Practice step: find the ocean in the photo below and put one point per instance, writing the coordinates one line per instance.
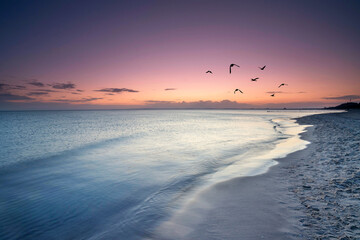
(119, 174)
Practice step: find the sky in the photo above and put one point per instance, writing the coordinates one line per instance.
(155, 54)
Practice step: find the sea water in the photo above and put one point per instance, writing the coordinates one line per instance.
(118, 174)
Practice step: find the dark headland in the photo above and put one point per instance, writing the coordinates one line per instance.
(348, 105)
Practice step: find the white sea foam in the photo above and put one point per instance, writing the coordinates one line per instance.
(256, 161)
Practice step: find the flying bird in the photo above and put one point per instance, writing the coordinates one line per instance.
(262, 68)
(272, 95)
(237, 90)
(254, 79)
(209, 71)
(233, 64)
(283, 84)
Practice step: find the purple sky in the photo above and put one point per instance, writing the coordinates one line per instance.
(116, 54)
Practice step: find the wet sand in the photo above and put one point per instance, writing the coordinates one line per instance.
(311, 194)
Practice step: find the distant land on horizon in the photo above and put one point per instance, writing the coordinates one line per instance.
(348, 105)
(343, 106)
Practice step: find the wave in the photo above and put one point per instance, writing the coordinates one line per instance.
(184, 219)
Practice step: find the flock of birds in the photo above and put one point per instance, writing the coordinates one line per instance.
(252, 79)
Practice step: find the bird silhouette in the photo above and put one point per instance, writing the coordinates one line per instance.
(283, 84)
(254, 79)
(272, 95)
(237, 90)
(209, 71)
(232, 65)
(262, 68)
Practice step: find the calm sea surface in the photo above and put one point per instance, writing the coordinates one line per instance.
(119, 174)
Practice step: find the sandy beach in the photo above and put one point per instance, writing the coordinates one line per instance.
(311, 194)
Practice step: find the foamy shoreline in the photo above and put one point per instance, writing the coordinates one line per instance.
(293, 200)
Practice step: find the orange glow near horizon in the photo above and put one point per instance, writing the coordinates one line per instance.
(195, 85)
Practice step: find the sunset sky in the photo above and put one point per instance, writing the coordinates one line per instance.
(154, 54)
